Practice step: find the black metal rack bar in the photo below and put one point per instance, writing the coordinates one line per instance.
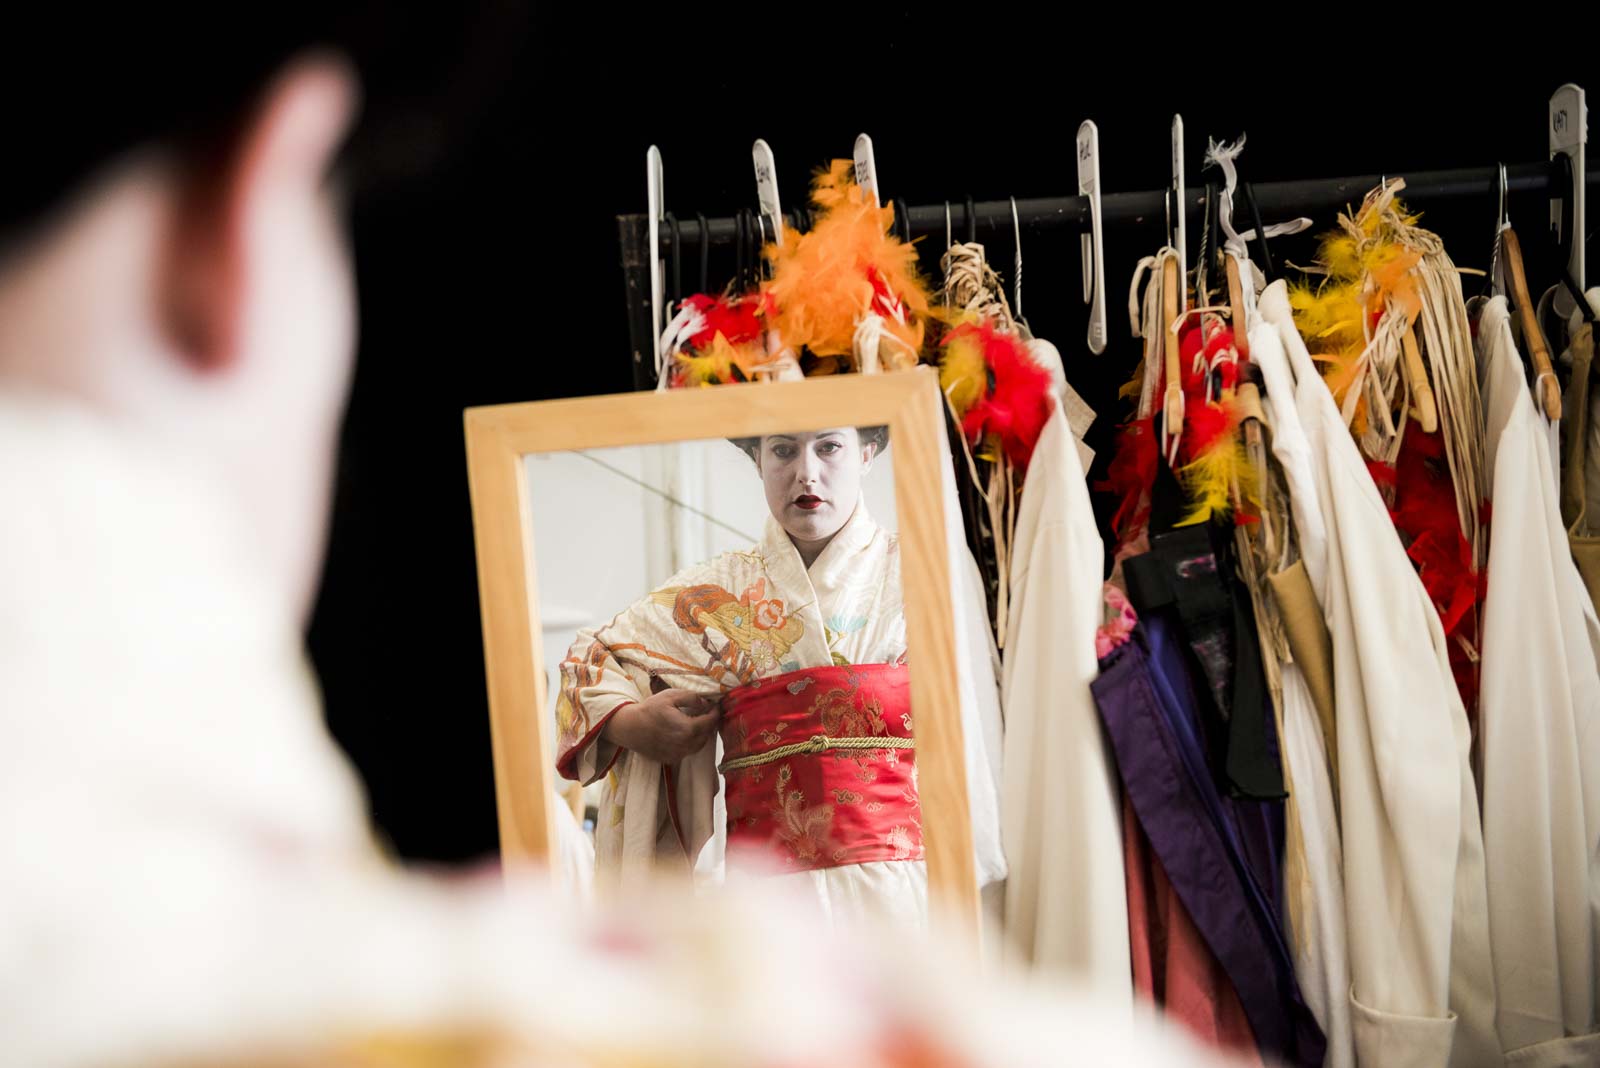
(1276, 200)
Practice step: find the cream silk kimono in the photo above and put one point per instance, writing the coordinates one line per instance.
(735, 620)
(1066, 896)
(1539, 737)
(1314, 887)
(1421, 987)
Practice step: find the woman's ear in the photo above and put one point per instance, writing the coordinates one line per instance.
(869, 452)
(229, 201)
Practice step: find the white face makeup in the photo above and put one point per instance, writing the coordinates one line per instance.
(813, 480)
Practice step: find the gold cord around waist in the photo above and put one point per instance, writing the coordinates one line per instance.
(817, 743)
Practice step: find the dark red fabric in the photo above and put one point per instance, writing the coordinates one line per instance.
(1172, 965)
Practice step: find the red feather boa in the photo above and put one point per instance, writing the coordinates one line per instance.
(1016, 405)
(1423, 510)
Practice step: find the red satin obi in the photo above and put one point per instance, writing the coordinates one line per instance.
(819, 768)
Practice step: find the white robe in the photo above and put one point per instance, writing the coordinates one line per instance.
(186, 875)
(1540, 734)
(1066, 899)
(1321, 964)
(1421, 988)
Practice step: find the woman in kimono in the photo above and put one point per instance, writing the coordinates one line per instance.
(794, 653)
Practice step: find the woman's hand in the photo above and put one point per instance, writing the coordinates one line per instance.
(665, 727)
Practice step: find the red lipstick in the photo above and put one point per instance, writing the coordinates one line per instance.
(808, 501)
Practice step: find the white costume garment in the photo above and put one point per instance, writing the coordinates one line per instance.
(186, 875)
(1066, 899)
(758, 614)
(1421, 986)
(1540, 740)
(1321, 965)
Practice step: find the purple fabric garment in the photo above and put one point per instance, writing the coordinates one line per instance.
(1210, 847)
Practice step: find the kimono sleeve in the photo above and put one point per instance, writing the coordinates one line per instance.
(657, 642)
(594, 684)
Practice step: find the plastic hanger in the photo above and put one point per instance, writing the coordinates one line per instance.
(1568, 137)
(1092, 244)
(1566, 238)
(866, 168)
(1174, 299)
(1230, 251)
(1261, 232)
(1180, 208)
(655, 198)
(767, 188)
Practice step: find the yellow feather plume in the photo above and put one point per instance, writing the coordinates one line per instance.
(1210, 481)
(1330, 317)
(712, 366)
(962, 374)
(1131, 389)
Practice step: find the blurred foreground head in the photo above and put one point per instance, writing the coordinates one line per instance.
(172, 248)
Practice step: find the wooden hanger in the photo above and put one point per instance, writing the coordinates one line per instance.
(1543, 374)
(1172, 408)
(1241, 329)
(1426, 410)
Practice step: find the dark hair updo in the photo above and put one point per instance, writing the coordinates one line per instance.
(870, 435)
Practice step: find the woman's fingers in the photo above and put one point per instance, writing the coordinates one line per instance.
(695, 704)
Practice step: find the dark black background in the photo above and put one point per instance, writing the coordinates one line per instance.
(499, 280)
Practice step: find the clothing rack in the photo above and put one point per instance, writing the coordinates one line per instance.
(1275, 200)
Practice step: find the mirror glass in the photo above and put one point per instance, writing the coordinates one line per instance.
(724, 643)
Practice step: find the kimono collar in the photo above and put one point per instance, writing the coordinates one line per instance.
(856, 534)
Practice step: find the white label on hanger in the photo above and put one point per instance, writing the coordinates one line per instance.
(1180, 208)
(866, 168)
(1569, 134)
(767, 188)
(1091, 244)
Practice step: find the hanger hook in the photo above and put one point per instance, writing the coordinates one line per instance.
(1500, 220)
(677, 260)
(972, 222)
(760, 243)
(1016, 280)
(949, 238)
(740, 240)
(705, 252)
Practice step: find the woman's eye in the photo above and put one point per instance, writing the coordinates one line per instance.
(783, 452)
(828, 447)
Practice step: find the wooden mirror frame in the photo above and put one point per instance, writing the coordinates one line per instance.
(909, 403)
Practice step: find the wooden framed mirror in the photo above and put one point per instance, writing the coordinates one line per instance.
(516, 454)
